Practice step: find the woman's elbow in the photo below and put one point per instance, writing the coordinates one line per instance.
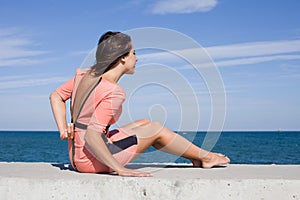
(88, 138)
(54, 96)
(91, 137)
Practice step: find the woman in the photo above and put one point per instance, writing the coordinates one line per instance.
(97, 104)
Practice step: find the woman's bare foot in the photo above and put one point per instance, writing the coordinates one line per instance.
(211, 160)
(214, 159)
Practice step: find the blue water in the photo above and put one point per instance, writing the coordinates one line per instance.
(241, 147)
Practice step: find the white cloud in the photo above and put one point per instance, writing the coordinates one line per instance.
(253, 60)
(8, 31)
(183, 6)
(23, 81)
(20, 62)
(254, 49)
(16, 49)
(234, 54)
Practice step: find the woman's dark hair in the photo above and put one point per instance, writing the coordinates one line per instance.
(112, 46)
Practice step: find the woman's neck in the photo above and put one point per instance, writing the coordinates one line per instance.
(113, 75)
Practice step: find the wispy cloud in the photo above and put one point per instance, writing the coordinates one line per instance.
(254, 49)
(9, 31)
(24, 81)
(253, 60)
(180, 6)
(236, 54)
(17, 49)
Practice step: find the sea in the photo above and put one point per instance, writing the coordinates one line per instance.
(242, 147)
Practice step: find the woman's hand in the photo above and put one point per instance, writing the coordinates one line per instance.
(68, 133)
(98, 148)
(131, 172)
(58, 106)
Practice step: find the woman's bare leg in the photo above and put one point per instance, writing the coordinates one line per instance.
(153, 133)
(136, 124)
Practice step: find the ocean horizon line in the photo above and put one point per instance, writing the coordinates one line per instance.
(180, 131)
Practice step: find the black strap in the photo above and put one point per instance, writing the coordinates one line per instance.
(120, 145)
(80, 125)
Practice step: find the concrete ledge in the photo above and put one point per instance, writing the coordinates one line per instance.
(57, 181)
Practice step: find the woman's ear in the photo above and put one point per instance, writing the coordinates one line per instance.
(123, 59)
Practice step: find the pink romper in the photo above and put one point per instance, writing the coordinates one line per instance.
(102, 108)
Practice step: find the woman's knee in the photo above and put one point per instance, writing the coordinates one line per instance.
(148, 130)
(156, 127)
(144, 121)
(148, 122)
(156, 124)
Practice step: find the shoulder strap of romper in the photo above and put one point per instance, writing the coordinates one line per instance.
(86, 86)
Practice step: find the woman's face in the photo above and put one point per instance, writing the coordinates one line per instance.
(130, 61)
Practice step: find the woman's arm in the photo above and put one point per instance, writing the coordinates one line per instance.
(100, 151)
(59, 111)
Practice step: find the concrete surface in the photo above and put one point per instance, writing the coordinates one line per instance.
(58, 181)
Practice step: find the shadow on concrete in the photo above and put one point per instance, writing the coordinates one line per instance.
(63, 166)
(69, 167)
(162, 165)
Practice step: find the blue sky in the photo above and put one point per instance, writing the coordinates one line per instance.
(254, 44)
